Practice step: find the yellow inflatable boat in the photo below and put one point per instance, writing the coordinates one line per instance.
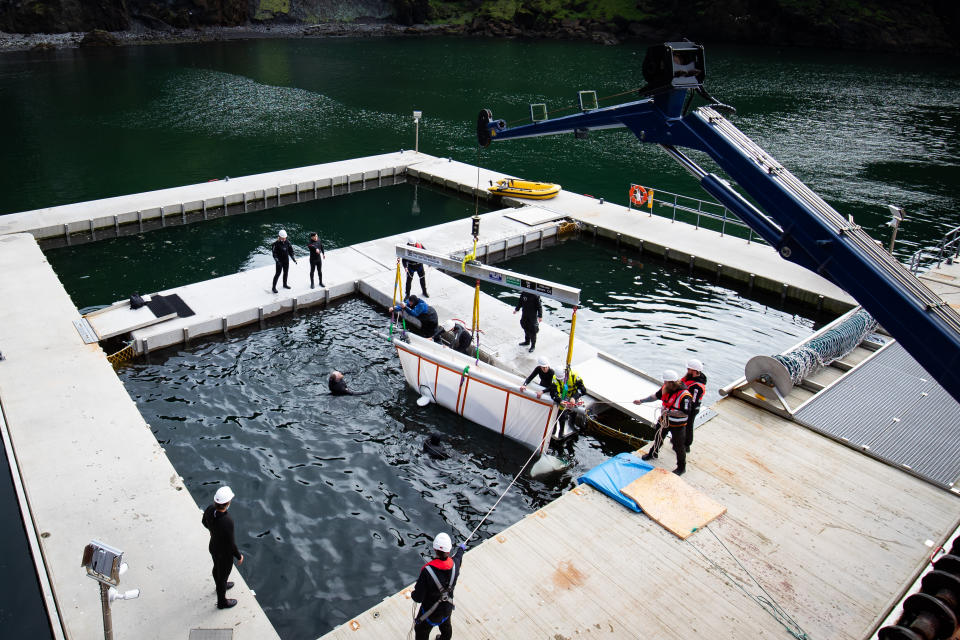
(524, 189)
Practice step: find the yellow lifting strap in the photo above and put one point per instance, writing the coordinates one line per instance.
(396, 285)
(470, 256)
(566, 374)
(476, 308)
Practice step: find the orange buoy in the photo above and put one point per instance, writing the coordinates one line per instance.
(638, 195)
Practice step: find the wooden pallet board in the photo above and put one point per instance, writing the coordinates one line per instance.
(671, 502)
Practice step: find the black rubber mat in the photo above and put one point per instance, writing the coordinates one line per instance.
(165, 305)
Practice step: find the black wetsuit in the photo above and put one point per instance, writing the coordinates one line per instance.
(316, 250)
(223, 548)
(697, 392)
(339, 388)
(531, 311)
(546, 379)
(282, 254)
(411, 268)
(462, 340)
(433, 445)
(427, 594)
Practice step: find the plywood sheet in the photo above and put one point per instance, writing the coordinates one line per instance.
(671, 502)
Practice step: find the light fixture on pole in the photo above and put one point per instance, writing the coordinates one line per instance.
(105, 565)
(416, 121)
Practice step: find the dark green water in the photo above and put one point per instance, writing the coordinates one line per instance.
(335, 501)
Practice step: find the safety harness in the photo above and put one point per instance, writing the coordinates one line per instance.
(446, 594)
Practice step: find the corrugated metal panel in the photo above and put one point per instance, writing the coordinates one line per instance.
(892, 408)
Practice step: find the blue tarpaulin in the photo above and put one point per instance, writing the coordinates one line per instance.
(615, 474)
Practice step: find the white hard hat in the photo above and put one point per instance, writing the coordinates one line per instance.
(223, 495)
(543, 362)
(669, 375)
(442, 543)
(448, 325)
(411, 240)
(694, 364)
(283, 233)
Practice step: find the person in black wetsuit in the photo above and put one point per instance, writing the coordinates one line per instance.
(434, 589)
(316, 250)
(338, 386)
(544, 374)
(433, 446)
(282, 255)
(696, 381)
(462, 339)
(223, 547)
(529, 318)
(412, 268)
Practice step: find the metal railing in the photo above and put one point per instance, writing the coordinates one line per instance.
(932, 257)
(696, 207)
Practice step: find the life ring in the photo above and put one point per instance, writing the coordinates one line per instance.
(638, 195)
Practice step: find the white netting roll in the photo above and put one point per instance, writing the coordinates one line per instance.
(830, 346)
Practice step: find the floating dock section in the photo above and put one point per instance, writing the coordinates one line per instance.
(90, 468)
(755, 264)
(834, 537)
(111, 217)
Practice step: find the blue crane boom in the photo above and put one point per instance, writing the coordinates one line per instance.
(794, 220)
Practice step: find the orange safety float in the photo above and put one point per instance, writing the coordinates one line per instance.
(638, 195)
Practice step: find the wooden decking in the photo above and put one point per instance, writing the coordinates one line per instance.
(832, 535)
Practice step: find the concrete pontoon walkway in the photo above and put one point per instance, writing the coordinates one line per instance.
(256, 191)
(91, 468)
(727, 256)
(832, 535)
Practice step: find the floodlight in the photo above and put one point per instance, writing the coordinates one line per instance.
(417, 115)
(103, 562)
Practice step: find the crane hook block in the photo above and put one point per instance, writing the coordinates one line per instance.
(487, 127)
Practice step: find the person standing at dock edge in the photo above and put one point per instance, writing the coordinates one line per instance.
(696, 382)
(316, 250)
(223, 547)
(282, 255)
(677, 405)
(529, 318)
(412, 267)
(434, 589)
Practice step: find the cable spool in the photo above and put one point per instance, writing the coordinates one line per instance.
(784, 371)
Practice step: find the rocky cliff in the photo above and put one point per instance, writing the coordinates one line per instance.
(914, 25)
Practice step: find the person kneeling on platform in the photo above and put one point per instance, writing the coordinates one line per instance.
(434, 589)
(676, 409)
(426, 314)
(462, 338)
(568, 406)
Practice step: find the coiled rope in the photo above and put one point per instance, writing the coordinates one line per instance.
(830, 346)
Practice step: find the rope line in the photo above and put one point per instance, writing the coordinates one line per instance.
(766, 601)
(516, 477)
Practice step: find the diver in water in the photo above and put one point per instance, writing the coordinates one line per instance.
(338, 386)
(433, 446)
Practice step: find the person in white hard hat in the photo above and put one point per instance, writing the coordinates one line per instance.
(677, 405)
(412, 267)
(544, 374)
(282, 255)
(434, 589)
(696, 382)
(223, 547)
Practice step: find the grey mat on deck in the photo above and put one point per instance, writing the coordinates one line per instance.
(165, 305)
(893, 409)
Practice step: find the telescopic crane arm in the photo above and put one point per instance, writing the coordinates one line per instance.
(793, 219)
